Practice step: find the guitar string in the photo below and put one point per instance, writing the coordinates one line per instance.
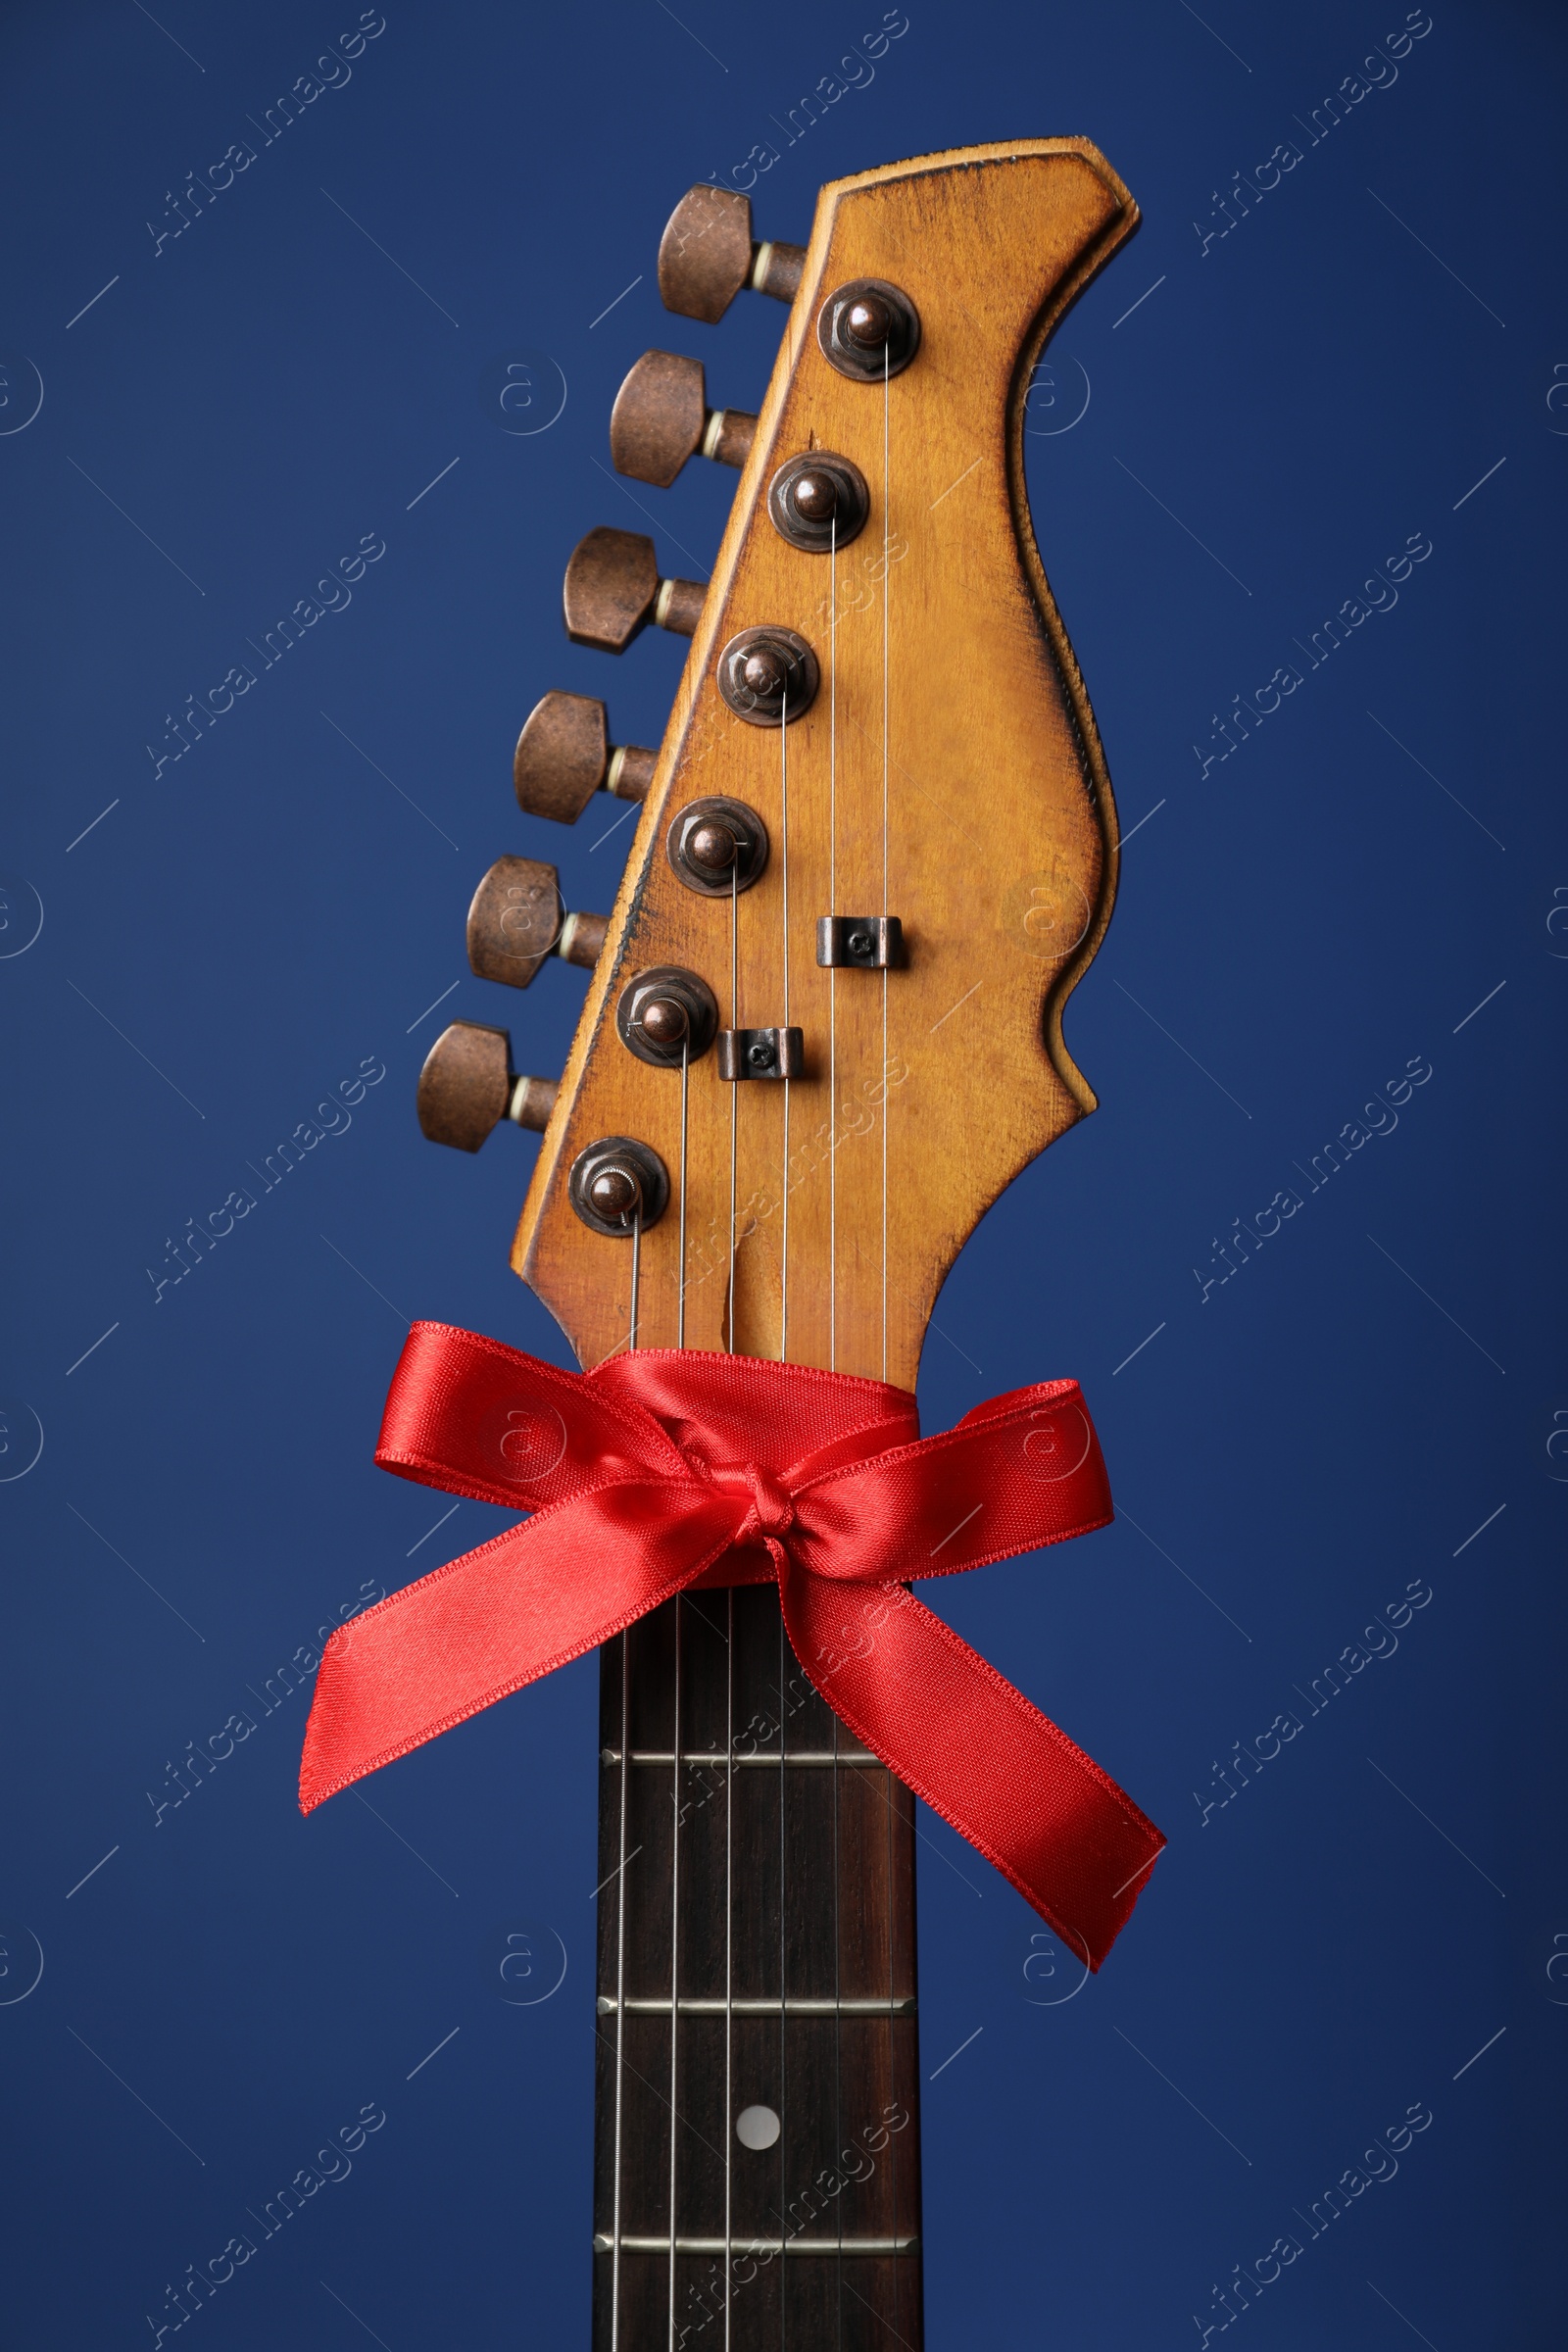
(680, 1341)
(832, 976)
(893, 2066)
(729, 1772)
(674, 1973)
(621, 1986)
(636, 1270)
(783, 1349)
(784, 1186)
(734, 1092)
(886, 537)
(783, 2021)
(783, 2018)
(838, 2037)
(680, 1278)
(730, 1950)
(832, 1304)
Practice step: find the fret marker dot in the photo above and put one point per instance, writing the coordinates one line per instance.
(757, 2126)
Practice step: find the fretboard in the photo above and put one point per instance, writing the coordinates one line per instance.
(756, 2144)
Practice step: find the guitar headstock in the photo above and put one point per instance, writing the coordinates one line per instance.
(877, 846)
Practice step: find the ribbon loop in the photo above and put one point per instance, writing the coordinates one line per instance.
(666, 1469)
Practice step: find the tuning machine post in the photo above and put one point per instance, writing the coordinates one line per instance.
(869, 329)
(716, 846)
(667, 1016)
(619, 1186)
(818, 501)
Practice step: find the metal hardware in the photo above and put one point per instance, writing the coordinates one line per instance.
(770, 1756)
(818, 501)
(761, 1054)
(666, 1015)
(468, 1086)
(661, 417)
(618, 1187)
(869, 329)
(613, 591)
(758, 2245)
(768, 675)
(718, 846)
(517, 922)
(564, 755)
(707, 255)
(868, 942)
(715, 2005)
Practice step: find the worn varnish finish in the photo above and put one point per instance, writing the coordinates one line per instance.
(1001, 832)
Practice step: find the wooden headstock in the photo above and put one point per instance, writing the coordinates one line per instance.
(947, 772)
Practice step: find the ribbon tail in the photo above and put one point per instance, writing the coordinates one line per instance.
(479, 1629)
(999, 1772)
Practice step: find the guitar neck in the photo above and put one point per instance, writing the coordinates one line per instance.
(756, 2144)
(880, 792)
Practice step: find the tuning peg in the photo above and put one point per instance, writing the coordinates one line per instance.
(468, 1085)
(613, 591)
(707, 254)
(564, 755)
(661, 417)
(516, 921)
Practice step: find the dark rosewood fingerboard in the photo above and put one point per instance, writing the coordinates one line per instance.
(757, 1865)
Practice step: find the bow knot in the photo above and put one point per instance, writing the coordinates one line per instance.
(772, 1510)
(664, 1470)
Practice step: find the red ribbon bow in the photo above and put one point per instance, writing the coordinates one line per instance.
(666, 1470)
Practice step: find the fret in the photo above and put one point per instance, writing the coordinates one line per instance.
(794, 2006)
(795, 1992)
(860, 1756)
(859, 2247)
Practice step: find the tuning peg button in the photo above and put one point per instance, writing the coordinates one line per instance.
(613, 590)
(468, 1085)
(661, 417)
(707, 254)
(516, 921)
(564, 755)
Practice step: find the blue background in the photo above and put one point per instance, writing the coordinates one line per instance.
(243, 928)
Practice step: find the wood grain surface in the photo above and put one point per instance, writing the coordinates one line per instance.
(950, 773)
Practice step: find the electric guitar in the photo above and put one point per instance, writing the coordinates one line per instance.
(876, 850)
